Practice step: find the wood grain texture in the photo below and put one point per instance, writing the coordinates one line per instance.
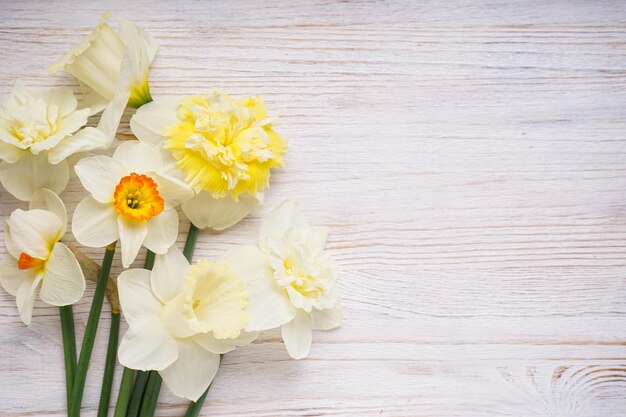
(470, 159)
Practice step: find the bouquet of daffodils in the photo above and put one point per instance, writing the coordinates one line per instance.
(208, 156)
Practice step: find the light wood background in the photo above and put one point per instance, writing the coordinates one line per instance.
(470, 159)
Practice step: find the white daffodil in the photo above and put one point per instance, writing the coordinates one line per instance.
(290, 279)
(131, 200)
(223, 147)
(39, 130)
(113, 69)
(180, 319)
(38, 261)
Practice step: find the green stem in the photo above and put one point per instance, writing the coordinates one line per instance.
(151, 396)
(124, 395)
(150, 258)
(137, 395)
(190, 242)
(140, 381)
(69, 347)
(109, 365)
(194, 407)
(90, 333)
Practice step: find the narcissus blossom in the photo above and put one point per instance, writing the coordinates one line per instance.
(37, 261)
(39, 130)
(131, 200)
(181, 318)
(223, 147)
(290, 278)
(113, 69)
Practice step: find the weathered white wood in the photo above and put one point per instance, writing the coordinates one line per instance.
(470, 159)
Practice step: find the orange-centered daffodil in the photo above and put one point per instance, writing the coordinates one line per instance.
(37, 262)
(132, 199)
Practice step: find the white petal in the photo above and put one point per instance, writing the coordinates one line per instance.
(91, 99)
(142, 45)
(85, 140)
(317, 236)
(173, 191)
(45, 199)
(193, 371)
(11, 277)
(10, 153)
(94, 224)
(169, 273)
(132, 234)
(25, 297)
(138, 157)
(100, 175)
(326, 319)
(279, 221)
(31, 173)
(151, 119)
(268, 305)
(297, 335)
(112, 114)
(62, 97)
(219, 214)
(220, 346)
(70, 125)
(136, 297)
(34, 232)
(148, 346)
(162, 231)
(12, 248)
(63, 280)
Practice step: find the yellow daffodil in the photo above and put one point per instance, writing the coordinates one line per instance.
(223, 147)
(39, 130)
(290, 279)
(37, 261)
(113, 69)
(131, 200)
(181, 318)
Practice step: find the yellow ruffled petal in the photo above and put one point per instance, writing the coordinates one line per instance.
(224, 146)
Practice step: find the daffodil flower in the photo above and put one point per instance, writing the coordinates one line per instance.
(38, 262)
(290, 279)
(131, 200)
(113, 69)
(39, 130)
(223, 147)
(181, 318)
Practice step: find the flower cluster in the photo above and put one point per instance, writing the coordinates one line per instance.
(209, 156)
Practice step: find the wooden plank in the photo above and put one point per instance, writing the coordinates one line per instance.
(469, 158)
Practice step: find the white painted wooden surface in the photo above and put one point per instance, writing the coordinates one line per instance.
(470, 158)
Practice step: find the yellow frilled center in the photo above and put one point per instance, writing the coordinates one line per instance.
(225, 146)
(137, 197)
(312, 283)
